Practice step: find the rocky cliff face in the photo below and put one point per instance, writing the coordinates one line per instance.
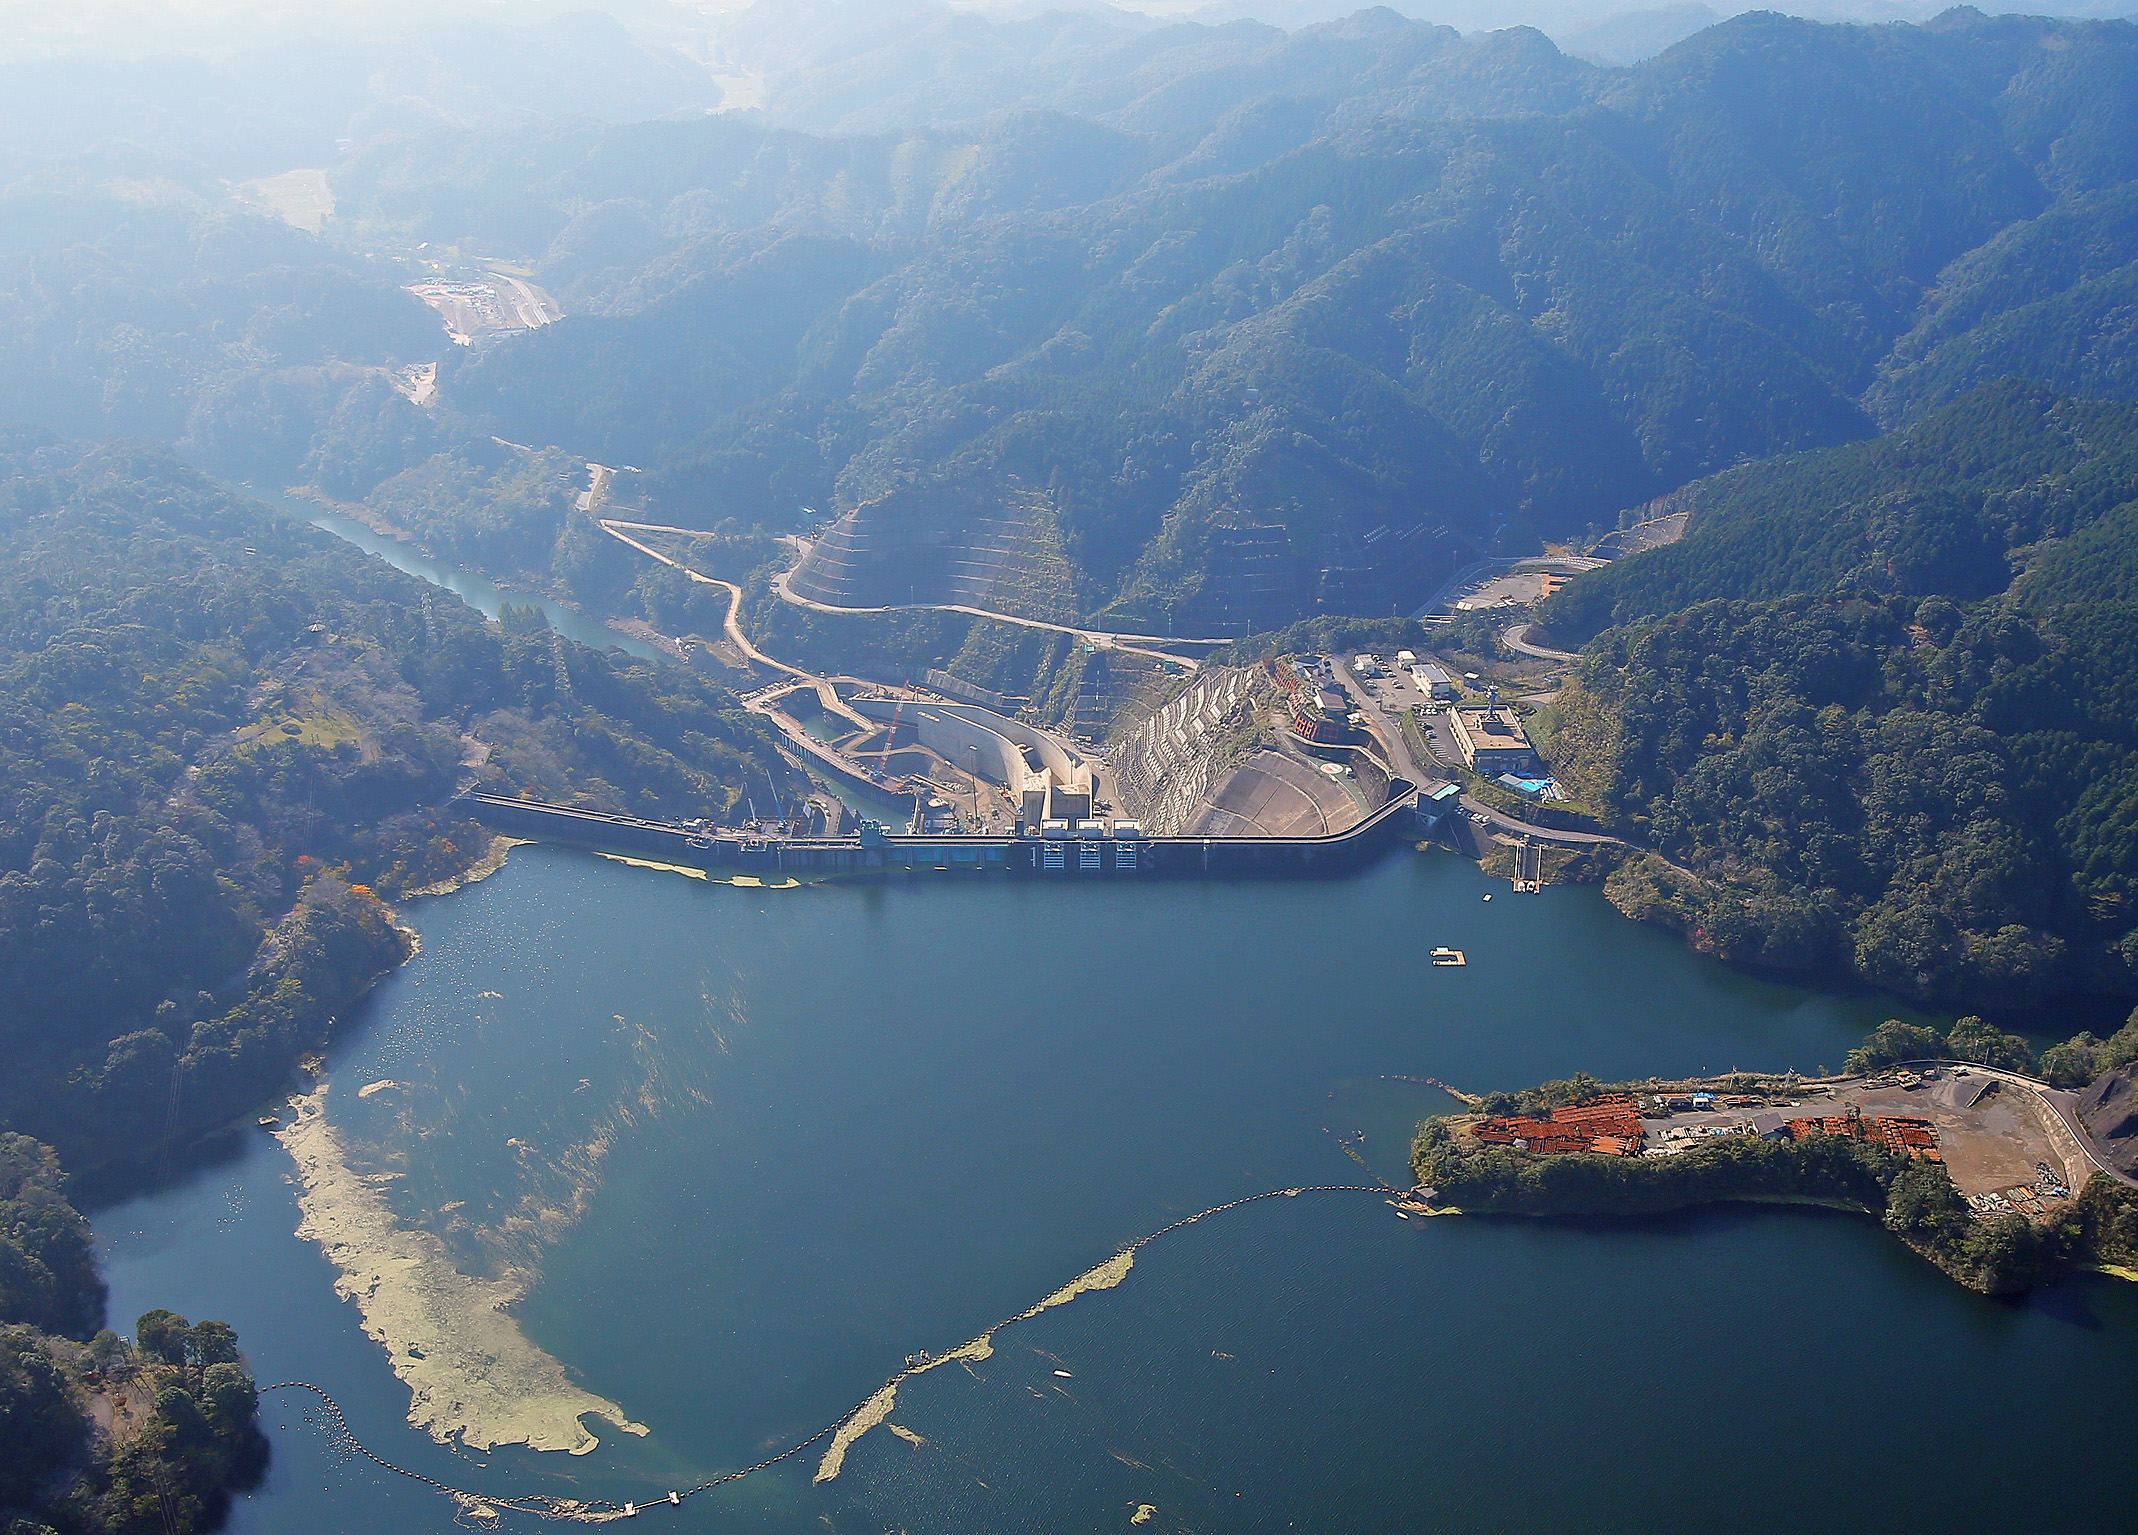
(2109, 1111)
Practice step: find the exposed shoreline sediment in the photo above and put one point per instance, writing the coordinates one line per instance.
(472, 1373)
(483, 867)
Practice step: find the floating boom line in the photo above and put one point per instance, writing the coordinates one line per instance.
(487, 1509)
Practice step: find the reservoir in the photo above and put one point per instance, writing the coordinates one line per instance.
(741, 1151)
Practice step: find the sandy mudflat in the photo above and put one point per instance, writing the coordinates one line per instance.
(471, 1371)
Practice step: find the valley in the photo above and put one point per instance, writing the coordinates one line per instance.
(728, 727)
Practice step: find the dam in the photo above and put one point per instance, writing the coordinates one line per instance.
(1089, 849)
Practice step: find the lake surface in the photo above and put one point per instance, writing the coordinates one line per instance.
(755, 1146)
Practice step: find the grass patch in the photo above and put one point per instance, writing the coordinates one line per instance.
(314, 723)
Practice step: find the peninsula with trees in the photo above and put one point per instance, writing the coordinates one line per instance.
(1998, 1177)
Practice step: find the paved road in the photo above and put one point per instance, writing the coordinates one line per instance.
(1390, 739)
(1104, 639)
(1387, 731)
(533, 307)
(1540, 833)
(765, 700)
(1516, 639)
(733, 623)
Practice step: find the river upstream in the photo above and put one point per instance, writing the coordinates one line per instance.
(740, 1151)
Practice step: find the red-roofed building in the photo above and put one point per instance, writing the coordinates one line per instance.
(1609, 1125)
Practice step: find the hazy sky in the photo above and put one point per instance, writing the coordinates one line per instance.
(235, 32)
(136, 26)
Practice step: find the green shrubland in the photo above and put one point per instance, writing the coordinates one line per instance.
(184, 897)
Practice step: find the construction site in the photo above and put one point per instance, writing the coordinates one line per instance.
(1206, 783)
(2006, 1140)
(1210, 761)
(483, 307)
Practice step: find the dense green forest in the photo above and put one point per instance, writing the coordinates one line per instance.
(137, 298)
(101, 1435)
(1875, 706)
(1273, 325)
(226, 736)
(1940, 508)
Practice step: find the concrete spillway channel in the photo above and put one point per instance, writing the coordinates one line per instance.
(878, 852)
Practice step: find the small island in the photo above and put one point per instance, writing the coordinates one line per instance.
(1993, 1175)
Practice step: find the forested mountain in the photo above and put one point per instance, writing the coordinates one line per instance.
(136, 299)
(222, 732)
(1373, 344)
(1940, 508)
(1879, 703)
(833, 67)
(1243, 324)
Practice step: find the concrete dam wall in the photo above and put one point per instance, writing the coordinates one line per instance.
(877, 853)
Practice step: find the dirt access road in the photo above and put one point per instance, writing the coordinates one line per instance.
(1102, 639)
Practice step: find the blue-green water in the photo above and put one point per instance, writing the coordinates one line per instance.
(478, 592)
(796, 1135)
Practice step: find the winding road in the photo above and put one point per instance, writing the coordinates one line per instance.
(761, 701)
(1103, 639)
(1514, 637)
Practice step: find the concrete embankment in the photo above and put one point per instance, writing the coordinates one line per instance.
(877, 852)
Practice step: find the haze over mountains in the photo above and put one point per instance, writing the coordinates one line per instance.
(1248, 324)
(1217, 328)
(1249, 320)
